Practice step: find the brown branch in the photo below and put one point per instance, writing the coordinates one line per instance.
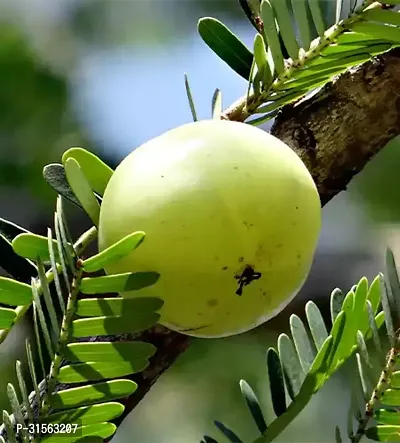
(335, 133)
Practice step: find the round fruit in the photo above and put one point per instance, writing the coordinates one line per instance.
(232, 219)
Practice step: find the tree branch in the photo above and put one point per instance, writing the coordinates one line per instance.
(335, 132)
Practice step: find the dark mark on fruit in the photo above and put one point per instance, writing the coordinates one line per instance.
(212, 302)
(225, 268)
(247, 276)
(194, 329)
(241, 259)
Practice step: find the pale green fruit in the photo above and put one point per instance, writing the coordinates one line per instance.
(218, 201)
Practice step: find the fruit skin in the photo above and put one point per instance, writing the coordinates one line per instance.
(213, 198)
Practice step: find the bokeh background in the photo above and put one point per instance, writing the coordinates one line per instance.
(107, 75)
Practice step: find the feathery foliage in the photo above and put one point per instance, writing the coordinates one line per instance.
(284, 65)
(77, 333)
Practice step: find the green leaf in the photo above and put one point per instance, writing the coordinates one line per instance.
(316, 12)
(32, 370)
(33, 246)
(55, 270)
(131, 281)
(23, 390)
(14, 293)
(317, 374)
(373, 328)
(384, 433)
(374, 295)
(300, 11)
(48, 299)
(110, 325)
(284, 20)
(382, 32)
(190, 99)
(82, 189)
(89, 394)
(81, 372)
(276, 382)
(93, 307)
(226, 45)
(271, 34)
(7, 317)
(351, 38)
(348, 338)
(387, 417)
(336, 303)
(393, 280)
(54, 174)
(253, 405)
(19, 268)
(88, 414)
(316, 323)
(391, 397)
(229, 434)
(387, 311)
(261, 60)
(16, 408)
(216, 105)
(114, 253)
(292, 370)
(9, 427)
(302, 342)
(105, 351)
(97, 173)
(380, 15)
(102, 430)
(42, 319)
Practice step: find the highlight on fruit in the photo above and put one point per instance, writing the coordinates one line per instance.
(232, 218)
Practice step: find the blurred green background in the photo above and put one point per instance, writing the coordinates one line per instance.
(108, 75)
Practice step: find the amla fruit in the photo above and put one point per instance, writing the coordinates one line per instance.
(232, 218)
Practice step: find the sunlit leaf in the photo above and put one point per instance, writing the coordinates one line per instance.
(110, 325)
(82, 189)
(111, 352)
(93, 307)
(114, 253)
(14, 293)
(302, 342)
(271, 34)
(7, 317)
(90, 394)
(81, 372)
(97, 173)
(130, 281)
(384, 433)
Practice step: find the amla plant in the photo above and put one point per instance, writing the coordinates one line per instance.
(232, 219)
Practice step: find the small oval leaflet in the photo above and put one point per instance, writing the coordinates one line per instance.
(130, 281)
(84, 372)
(14, 293)
(97, 173)
(93, 307)
(34, 246)
(110, 390)
(88, 414)
(82, 189)
(114, 253)
(108, 351)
